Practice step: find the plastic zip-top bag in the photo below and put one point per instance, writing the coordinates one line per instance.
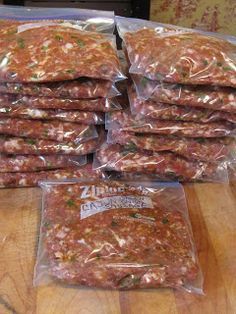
(31, 179)
(124, 120)
(92, 20)
(178, 55)
(162, 165)
(28, 53)
(116, 235)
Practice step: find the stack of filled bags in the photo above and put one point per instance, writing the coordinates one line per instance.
(56, 83)
(182, 115)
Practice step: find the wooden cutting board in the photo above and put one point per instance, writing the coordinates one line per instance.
(212, 210)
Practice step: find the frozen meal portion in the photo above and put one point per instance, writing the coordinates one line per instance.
(116, 235)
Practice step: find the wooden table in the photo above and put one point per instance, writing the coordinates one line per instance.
(212, 210)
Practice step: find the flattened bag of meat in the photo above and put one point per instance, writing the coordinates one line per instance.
(23, 112)
(210, 97)
(30, 179)
(32, 163)
(32, 102)
(82, 88)
(210, 150)
(51, 130)
(123, 120)
(26, 146)
(164, 165)
(116, 235)
(29, 55)
(164, 111)
(178, 55)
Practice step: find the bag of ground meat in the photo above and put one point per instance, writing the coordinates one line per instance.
(116, 235)
(204, 149)
(99, 21)
(31, 179)
(165, 111)
(49, 130)
(33, 163)
(211, 97)
(178, 55)
(82, 88)
(29, 54)
(24, 112)
(123, 120)
(30, 146)
(35, 102)
(162, 165)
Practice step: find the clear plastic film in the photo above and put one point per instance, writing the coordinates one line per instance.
(83, 117)
(35, 102)
(209, 150)
(32, 163)
(91, 20)
(164, 111)
(49, 130)
(162, 165)
(30, 179)
(93, 246)
(28, 54)
(123, 120)
(178, 55)
(210, 97)
(83, 88)
(26, 146)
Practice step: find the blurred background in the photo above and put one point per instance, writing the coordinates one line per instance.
(212, 15)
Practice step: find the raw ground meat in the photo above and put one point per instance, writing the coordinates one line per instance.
(52, 130)
(165, 111)
(210, 150)
(166, 164)
(29, 55)
(129, 244)
(211, 97)
(31, 163)
(32, 102)
(24, 146)
(23, 112)
(75, 89)
(26, 179)
(124, 121)
(182, 57)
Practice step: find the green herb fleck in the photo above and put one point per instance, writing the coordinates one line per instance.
(44, 48)
(219, 64)
(134, 215)
(205, 62)
(47, 224)
(114, 223)
(45, 132)
(59, 37)
(12, 31)
(98, 255)
(165, 221)
(35, 76)
(31, 141)
(144, 81)
(128, 281)
(200, 140)
(129, 148)
(70, 203)
(70, 71)
(80, 43)
(21, 43)
(227, 68)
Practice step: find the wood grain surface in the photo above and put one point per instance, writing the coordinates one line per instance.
(212, 209)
